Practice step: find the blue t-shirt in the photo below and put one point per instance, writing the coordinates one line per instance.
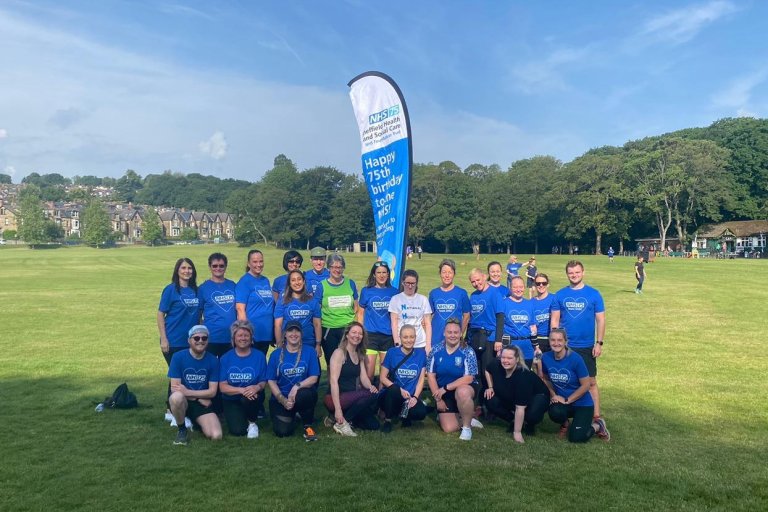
(565, 374)
(241, 372)
(502, 290)
(485, 305)
(217, 303)
(195, 374)
(182, 312)
(541, 312)
(279, 284)
(577, 314)
(256, 294)
(375, 301)
(302, 312)
(513, 268)
(518, 319)
(407, 376)
(313, 279)
(291, 372)
(453, 303)
(449, 367)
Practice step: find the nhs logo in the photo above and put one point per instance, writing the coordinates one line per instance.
(384, 114)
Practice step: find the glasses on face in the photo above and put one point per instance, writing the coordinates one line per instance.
(200, 338)
(294, 261)
(218, 265)
(336, 267)
(409, 283)
(541, 283)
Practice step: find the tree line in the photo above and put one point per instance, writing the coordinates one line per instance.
(663, 186)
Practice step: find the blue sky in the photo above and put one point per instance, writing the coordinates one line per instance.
(98, 87)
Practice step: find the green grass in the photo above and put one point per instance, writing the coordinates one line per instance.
(683, 382)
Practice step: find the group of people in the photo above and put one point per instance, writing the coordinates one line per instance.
(492, 352)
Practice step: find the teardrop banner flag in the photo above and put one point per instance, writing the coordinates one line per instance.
(382, 118)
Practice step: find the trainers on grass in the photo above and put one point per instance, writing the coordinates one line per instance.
(344, 429)
(173, 422)
(466, 434)
(253, 431)
(475, 423)
(168, 416)
(602, 430)
(182, 437)
(309, 434)
(188, 423)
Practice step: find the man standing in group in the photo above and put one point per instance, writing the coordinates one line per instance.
(580, 310)
(318, 273)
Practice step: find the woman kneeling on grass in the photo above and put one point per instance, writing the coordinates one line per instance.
(242, 378)
(515, 394)
(452, 377)
(567, 378)
(293, 371)
(351, 396)
(402, 378)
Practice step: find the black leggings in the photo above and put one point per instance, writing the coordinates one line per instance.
(238, 413)
(282, 419)
(580, 430)
(391, 402)
(330, 342)
(534, 412)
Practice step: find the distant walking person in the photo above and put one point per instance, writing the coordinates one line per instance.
(639, 274)
(610, 254)
(530, 275)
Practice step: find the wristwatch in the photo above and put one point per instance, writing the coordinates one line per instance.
(599, 342)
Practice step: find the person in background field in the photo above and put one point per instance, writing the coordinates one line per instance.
(639, 274)
(494, 278)
(254, 302)
(409, 252)
(448, 301)
(610, 254)
(519, 325)
(293, 373)
(513, 268)
(580, 310)
(419, 251)
(515, 394)
(402, 380)
(217, 303)
(486, 318)
(373, 313)
(411, 308)
(567, 379)
(178, 312)
(242, 378)
(337, 296)
(452, 378)
(292, 260)
(194, 375)
(530, 276)
(542, 308)
(352, 399)
(318, 273)
(296, 304)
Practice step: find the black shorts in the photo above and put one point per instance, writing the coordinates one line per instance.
(450, 399)
(589, 360)
(380, 342)
(195, 409)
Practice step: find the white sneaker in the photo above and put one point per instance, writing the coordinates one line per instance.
(344, 429)
(173, 422)
(168, 416)
(475, 423)
(466, 434)
(188, 423)
(253, 431)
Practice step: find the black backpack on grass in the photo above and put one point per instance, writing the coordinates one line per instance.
(122, 398)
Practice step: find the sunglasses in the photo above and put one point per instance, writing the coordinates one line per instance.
(380, 264)
(294, 261)
(218, 266)
(542, 283)
(200, 338)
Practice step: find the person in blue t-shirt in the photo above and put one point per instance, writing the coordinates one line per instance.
(513, 268)
(296, 304)
(292, 260)
(611, 253)
(373, 313)
(567, 379)
(242, 378)
(580, 310)
(293, 373)
(494, 278)
(402, 380)
(318, 273)
(542, 308)
(452, 377)
(519, 323)
(254, 301)
(448, 301)
(194, 375)
(217, 304)
(178, 312)
(486, 318)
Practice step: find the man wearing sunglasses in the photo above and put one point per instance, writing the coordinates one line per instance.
(194, 375)
(217, 303)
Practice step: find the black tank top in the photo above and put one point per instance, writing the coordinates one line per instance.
(349, 375)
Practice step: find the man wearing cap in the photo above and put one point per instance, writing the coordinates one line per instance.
(194, 375)
(318, 273)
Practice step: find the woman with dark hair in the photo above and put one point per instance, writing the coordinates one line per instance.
(293, 372)
(352, 399)
(254, 301)
(242, 378)
(402, 380)
(565, 375)
(411, 308)
(297, 305)
(178, 312)
(515, 394)
(494, 278)
(337, 296)
(373, 313)
(448, 301)
(292, 260)
(542, 307)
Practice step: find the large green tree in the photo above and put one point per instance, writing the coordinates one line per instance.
(96, 226)
(152, 228)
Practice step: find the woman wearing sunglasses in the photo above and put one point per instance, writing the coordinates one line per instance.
(542, 306)
(292, 260)
(373, 313)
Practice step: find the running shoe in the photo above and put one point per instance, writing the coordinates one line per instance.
(602, 431)
(466, 434)
(182, 437)
(309, 434)
(253, 431)
(563, 430)
(344, 429)
(168, 416)
(188, 423)
(329, 422)
(475, 423)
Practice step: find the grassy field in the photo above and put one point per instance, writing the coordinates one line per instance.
(683, 382)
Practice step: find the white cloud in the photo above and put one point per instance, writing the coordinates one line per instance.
(684, 24)
(215, 146)
(9, 170)
(738, 94)
(546, 74)
(3, 133)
